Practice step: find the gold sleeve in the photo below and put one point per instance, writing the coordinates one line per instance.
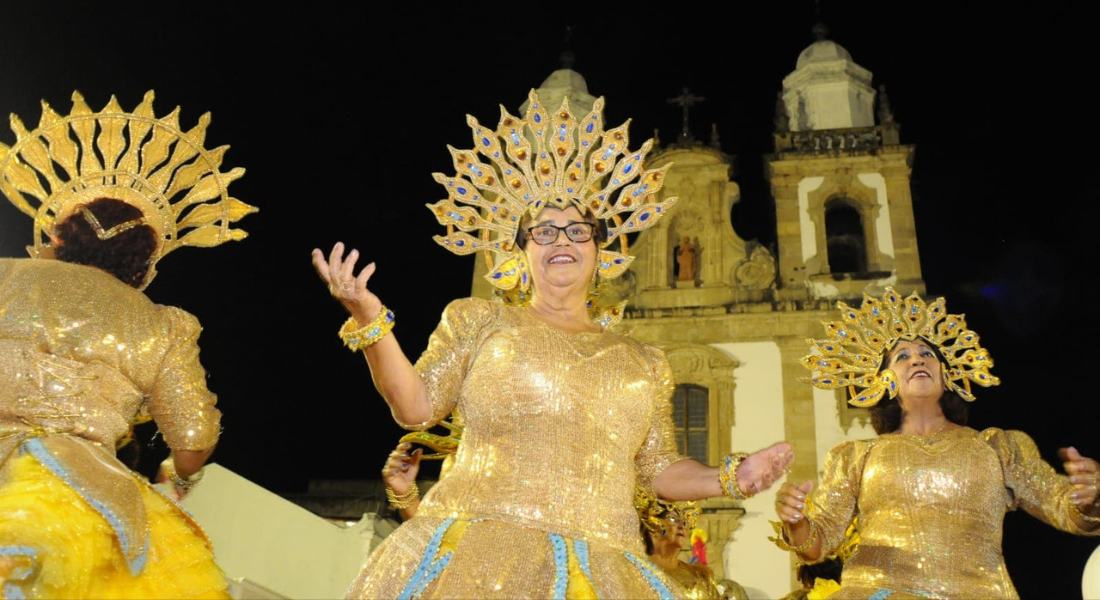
(659, 449)
(1036, 487)
(179, 402)
(446, 360)
(832, 504)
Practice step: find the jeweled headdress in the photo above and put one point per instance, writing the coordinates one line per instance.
(136, 157)
(853, 355)
(653, 510)
(546, 159)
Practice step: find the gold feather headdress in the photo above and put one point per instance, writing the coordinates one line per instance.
(546, 159)
(653, 510)
(857, 346)
(136, 157)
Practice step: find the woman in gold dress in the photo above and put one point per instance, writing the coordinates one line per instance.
(665, 526)
(85, 355)
(560, 413)
(931, 493)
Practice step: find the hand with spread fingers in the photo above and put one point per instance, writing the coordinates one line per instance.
(338, 273)
(1084, 474)
(760, 470)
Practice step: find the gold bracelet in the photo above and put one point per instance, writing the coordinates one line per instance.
(404, 500)
(727, 476)
(1086, 517)
(358, 338)
(804, 546)
(169, 467)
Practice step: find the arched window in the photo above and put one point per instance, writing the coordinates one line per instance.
(689, 412)
(844, 238)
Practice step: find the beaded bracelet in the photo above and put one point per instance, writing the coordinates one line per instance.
(169, 467)
(727, 476)
(358, 338)
(404, 500)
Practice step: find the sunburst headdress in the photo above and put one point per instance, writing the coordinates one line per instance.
(653, 510)
(136, 157)
(546, 159)
(853, 355)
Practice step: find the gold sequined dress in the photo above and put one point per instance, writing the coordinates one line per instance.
(696, 579)
(83, 357)
(539, 500)
(931, 510)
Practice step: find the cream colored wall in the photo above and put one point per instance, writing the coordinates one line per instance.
(751, 560)
(828, 428)
(263, 538)
(883, 231)
(809, 231)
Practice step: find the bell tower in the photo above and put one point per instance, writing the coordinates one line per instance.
(841, 183)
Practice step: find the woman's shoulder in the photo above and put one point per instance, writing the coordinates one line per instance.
(852, 452)
(1014, 439)
(473, 308)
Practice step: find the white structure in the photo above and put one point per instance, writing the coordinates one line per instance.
(270, 547)
(1090, 582)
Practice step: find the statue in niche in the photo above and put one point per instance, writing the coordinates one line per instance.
(686, 254)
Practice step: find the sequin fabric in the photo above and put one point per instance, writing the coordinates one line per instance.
(697, 581)
(556, 426)
(82, 358)
(931, 510)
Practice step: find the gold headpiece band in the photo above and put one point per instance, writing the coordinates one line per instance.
(545, 160)
(106, 234)
(135, 157)
(854, 353)
(653, 510)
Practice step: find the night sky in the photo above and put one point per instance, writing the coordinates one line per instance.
(340, 116)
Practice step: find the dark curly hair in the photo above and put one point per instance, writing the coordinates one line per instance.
(886, 415)
(125, 255)
(830, 568)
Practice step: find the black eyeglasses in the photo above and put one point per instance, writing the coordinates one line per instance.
(548, 234)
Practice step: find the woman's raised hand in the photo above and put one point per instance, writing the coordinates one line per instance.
(338, 272)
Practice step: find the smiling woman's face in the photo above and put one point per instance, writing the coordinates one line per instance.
(563, 262)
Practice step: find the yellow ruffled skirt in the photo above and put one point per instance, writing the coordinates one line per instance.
(53, 544)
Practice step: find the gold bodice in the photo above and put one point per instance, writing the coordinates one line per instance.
(556, 424)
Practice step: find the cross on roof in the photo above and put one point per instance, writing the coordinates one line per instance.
(685, 100)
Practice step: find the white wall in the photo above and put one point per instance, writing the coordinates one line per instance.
(750, 559)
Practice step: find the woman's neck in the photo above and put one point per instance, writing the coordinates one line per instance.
(563, 312)
(665, 556)
(925, 424)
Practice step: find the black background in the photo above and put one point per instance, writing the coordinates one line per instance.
(340, 115)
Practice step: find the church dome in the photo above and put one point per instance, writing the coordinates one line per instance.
(821, 51)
